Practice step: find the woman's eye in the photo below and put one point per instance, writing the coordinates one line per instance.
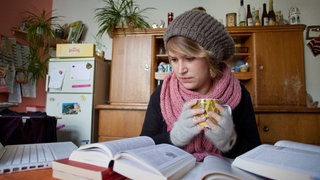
(190, 58)
(173, 59)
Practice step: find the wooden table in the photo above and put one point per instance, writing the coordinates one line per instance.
(43, 174)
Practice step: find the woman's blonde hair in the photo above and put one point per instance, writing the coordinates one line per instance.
(191, 48)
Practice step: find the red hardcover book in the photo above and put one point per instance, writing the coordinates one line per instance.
(68, 169)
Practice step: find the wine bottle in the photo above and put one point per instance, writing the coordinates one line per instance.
(249, 16)
(264, 18)
(242, 14)
(271, 14)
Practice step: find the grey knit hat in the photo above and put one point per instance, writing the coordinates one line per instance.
(204, 29)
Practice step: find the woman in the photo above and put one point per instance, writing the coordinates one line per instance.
(197, 46)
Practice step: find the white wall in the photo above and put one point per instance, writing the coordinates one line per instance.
(73, 10)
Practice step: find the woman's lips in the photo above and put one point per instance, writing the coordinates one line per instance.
(185, 79)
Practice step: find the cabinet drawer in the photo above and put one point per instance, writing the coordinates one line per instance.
(116, 124)
(301, 127)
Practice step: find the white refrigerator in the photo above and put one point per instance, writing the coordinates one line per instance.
(74, 86)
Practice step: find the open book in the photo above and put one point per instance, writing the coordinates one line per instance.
(214, 167)
(283, 160)
(137, 158)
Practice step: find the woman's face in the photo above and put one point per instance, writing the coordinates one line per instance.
(192, 72)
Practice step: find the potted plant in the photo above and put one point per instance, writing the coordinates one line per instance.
(120, 14)
(39, 36)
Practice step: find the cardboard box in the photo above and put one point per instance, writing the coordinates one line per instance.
(75, 50)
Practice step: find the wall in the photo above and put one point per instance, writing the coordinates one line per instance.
(310, 15)
(10, 15)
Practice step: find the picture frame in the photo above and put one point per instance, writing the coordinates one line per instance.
(231, 19)
(313, 32)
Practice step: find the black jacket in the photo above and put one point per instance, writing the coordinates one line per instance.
(243, 117)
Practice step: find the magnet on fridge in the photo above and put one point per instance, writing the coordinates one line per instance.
(70, 108)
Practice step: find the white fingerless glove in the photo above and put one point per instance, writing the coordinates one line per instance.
(183, 129)
(224, 135)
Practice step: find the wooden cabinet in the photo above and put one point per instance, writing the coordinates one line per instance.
(276, 60)
(116, 122)
(277, 86)
(131, 69)
(275, 79)
(296, 126)
(131, 83)
(280, 67)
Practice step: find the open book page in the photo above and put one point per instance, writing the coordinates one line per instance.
(160, 160)
(102, 153)
(298, 145)
(220, 168)
(194, 173)
(280, 162)
(214, 167)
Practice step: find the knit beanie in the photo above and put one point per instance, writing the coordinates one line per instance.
(204, 29)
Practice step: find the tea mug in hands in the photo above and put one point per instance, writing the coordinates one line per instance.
(207, 105)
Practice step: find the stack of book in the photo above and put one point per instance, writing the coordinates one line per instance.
(68, 169)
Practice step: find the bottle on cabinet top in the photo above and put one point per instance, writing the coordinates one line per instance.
(257, 19)
(170, 17)
(264, 18)
(249, 16)
(271, 14)
(242, 14)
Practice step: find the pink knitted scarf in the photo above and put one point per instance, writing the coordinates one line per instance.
(173, 95)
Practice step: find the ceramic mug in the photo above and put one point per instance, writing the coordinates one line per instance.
(207, 105)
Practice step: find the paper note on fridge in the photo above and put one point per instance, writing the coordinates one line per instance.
(81, 72)
(56, 78)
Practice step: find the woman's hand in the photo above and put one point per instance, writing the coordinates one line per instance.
(216, 116)
(222, 135)
(186, 127)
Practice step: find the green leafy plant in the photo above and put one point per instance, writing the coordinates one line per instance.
(120, 13)
(39, 36)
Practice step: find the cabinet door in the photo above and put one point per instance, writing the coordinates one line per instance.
(280, 68)
(120, 123)
(301, 127)
(130, 69)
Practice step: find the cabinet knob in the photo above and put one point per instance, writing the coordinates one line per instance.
(146, 67)
(265, 128)
(261, 67)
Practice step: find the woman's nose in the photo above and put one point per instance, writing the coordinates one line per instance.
(181, 67)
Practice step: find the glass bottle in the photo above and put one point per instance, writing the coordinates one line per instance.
(257, 19)
(271, 14)
(242, 14)
(249, 16)
(253, 13)
(170, 17)
(264, 18)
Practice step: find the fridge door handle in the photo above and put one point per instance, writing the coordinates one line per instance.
(47, 82)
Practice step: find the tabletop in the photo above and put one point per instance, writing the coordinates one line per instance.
(45, 174)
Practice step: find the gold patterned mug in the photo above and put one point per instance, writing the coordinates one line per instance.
(207, 105)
